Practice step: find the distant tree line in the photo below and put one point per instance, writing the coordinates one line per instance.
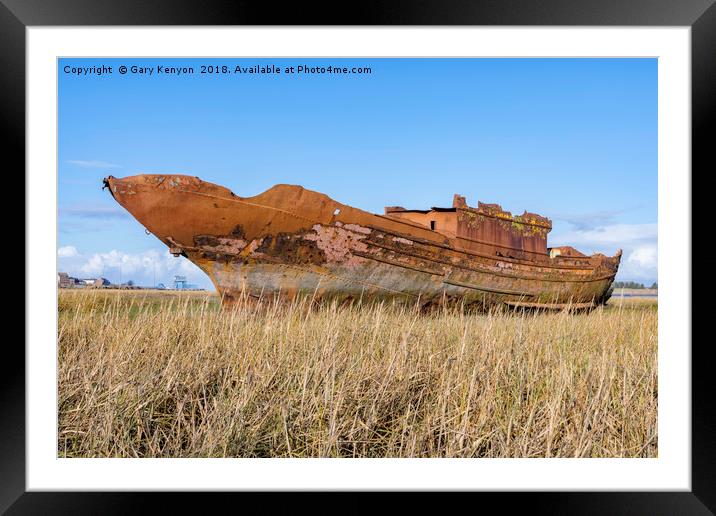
(633, 284)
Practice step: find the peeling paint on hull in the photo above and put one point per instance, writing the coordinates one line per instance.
(289, 241)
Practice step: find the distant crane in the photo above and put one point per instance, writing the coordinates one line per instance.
(180, 283)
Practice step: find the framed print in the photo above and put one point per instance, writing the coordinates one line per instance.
(443, 248)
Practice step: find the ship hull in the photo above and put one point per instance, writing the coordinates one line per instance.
(290, 242)
(382, 282)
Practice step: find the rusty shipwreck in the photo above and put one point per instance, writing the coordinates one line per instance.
(289, 241)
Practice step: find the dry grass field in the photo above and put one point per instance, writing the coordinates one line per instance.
(152, 374)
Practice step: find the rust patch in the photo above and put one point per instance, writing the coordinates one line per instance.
(291, 248)
(337, 243)
(222, 245)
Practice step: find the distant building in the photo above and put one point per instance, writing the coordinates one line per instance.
(64, 280)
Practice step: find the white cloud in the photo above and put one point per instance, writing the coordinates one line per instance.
(643, 256)
(91, 163)
(611, 235)
(637, 241)
(587, 221)
(93, 211)
(67, 251)
(142, 268)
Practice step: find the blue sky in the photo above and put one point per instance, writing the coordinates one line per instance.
(572, 139)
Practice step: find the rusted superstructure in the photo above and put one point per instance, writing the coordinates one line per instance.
(289, 241)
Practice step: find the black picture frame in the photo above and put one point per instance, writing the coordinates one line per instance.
(700, 15)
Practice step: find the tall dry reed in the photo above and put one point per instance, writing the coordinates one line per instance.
(149, 375)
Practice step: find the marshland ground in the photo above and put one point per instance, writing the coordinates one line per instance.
(169, 374)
